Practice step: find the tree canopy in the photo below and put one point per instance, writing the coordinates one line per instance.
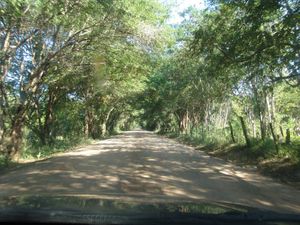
(86, 68)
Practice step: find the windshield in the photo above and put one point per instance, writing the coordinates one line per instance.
(188, 105)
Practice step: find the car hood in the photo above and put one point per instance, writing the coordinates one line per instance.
(99, 210)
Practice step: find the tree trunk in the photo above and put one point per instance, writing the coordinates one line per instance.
(263, 127)
(260, 109)
(245, 132)
(2, 113)
(274, 137)
(231, 132)
(269, 110)
(281, 131)
(254, 128)
(273, 109)
(104, 124)
(14, 145)
(182, 122)
(5, 65)
(225, 116)
(88, 116)
(87, 123)
(186, 122)
(262, 122)
(49, 118)
(252, 121)
(281, 136)
(103, 129)
(112, 121)
(2, 128)
(288, 137)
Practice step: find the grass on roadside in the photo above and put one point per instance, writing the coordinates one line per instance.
(40, 151)
(32, 152)
(36, 152)
(284, 164)
(3, 161)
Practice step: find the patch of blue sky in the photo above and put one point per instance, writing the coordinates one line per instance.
(179, 6)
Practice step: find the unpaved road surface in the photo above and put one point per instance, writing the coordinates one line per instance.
(142, 165)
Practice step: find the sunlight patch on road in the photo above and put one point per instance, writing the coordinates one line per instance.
(152, 159)
(89, 152)
(76, 185)
(177, 192)
(145, 175)
(235, 171)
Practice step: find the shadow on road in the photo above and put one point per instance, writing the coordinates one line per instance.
(141, 164)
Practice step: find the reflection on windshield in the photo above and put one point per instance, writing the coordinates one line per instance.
(95, 205)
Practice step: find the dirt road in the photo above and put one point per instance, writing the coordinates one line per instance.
(142, 165)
